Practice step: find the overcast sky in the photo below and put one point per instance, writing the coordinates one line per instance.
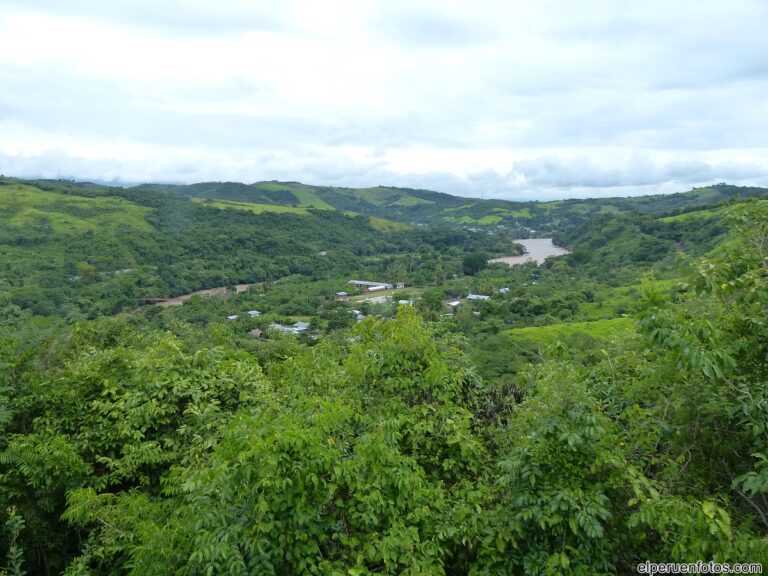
(516, 99)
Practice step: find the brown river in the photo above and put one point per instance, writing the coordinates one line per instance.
(538, 250)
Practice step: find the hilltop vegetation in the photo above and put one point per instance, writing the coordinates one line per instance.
(597, 410)
(413, 206)
(427, 207)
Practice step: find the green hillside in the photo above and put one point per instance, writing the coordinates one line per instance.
(251, 206)
(391, 203)
(26, 208)
(378, 223)
(69, 249)
(72, 249)
(427, 207)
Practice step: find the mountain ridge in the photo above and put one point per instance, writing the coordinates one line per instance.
(420, 206)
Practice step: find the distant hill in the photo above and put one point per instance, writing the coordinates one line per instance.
(616, 230)
(401, 204)
(414, 206)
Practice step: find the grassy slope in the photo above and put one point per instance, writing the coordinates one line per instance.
(24, 206)
(696, 215)
(386, 225)
(251, 207)
(597, 329)
(306, 196)
(701, 215)
(44, 233)
(378, 223)
(383, 202)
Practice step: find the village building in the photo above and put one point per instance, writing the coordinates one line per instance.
(477, 297)
(342, 296)
(369, 286)
(281, 328)
(233, 317)
(254, 313)
(297, 328)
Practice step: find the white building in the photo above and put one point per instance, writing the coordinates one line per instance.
(368, 285)
(477, 297)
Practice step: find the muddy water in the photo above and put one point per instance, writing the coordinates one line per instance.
(538, 250)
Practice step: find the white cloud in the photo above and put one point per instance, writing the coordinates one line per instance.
(542, 98)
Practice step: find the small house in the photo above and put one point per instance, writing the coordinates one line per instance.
(454, 303)
(281, 328)
(253, 313)
(368, 285)
(503, 290)
(477, 297)
(342, 296)
(233, 317)
(300, 327)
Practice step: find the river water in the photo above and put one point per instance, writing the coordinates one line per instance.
(538, 250)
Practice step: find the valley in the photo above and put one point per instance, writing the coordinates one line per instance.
(382, 380)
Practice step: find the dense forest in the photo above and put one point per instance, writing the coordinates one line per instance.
(584, 415)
